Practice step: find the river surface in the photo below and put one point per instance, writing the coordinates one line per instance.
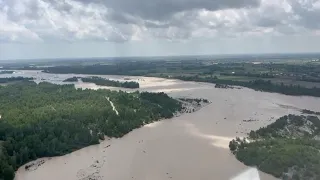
(189, 147)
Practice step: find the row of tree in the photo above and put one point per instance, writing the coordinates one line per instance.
(44, 120)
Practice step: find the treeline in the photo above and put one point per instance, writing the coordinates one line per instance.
(13, 79)
(287, 149)
(45, 120)
(259, 85)
(106, 82)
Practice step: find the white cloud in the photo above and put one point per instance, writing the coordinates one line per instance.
(13, 31)
(119, 20)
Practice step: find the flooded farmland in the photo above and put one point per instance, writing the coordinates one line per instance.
(189, 147)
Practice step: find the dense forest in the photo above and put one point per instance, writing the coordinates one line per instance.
(14, 79)
(44, 120)
(107, 82)
(288, 148)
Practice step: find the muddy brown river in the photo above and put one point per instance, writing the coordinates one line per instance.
(189, 147)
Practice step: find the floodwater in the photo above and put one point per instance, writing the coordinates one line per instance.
(189, 147)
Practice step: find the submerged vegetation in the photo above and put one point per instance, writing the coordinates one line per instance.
(285, 78)
(14, 79)
(107, 82)
(72, 79)
(104, 82)
(223, 86)
(259, 85)
(44, 120)
(6, 72)
(196, 100)
(306, 111)
(288, 148)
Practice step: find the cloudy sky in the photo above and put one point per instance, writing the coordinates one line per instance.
(101, 28)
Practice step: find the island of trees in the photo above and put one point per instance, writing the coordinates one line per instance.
(107, 82)
(45, 120)
(288, 148)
